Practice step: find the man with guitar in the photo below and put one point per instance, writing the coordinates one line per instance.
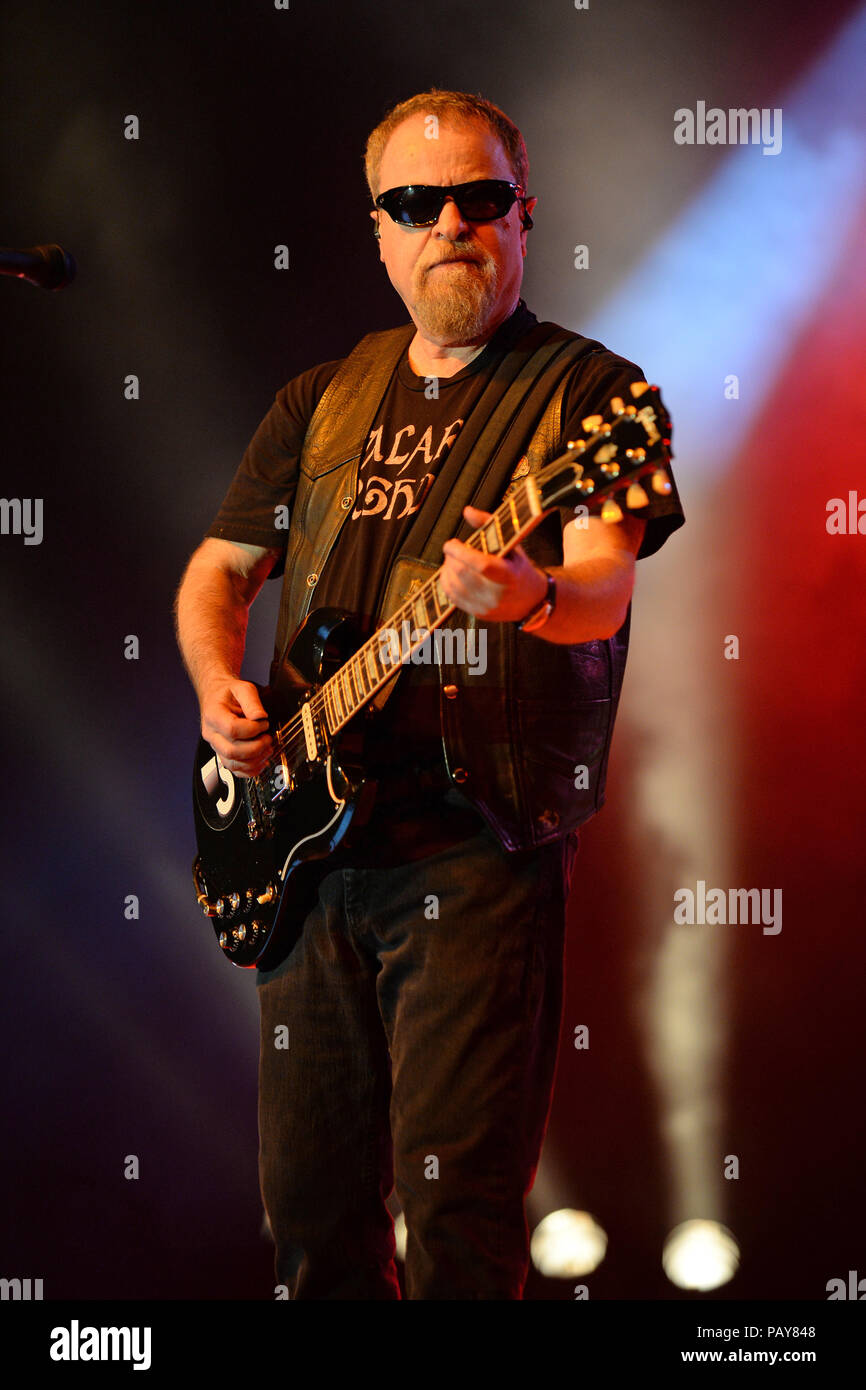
(410, 1016)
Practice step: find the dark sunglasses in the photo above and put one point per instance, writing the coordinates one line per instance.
(482, 200)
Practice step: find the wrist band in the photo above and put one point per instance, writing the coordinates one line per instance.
(538, 616)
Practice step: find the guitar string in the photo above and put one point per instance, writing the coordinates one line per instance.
(293, 729)
(427, 594)
(292, 732)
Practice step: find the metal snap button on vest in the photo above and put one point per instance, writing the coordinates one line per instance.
(460, 774)
(312, 579)
(345, 503)
(450, 692)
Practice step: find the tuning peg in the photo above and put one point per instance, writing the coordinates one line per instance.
(637, 388)
(590, 423)
(579, 444)
(661, 482)
(636, 497)
(611, 511)
(617, 405)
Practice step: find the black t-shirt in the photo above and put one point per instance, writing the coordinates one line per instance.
(416, 425)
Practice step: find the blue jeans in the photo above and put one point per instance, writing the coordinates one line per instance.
(423, 1005)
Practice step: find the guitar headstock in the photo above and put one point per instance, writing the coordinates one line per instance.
(619, 451)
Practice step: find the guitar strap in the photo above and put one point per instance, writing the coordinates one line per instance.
(481, 480)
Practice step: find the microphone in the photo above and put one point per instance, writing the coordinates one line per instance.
(49, 267)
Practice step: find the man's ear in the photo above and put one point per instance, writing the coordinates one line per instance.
(374, 213)
(529, 204)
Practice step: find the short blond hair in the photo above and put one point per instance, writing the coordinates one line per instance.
(458, 108)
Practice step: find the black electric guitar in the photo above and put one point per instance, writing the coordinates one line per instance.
(263, 842)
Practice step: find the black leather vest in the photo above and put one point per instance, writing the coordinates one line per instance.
(526, 741)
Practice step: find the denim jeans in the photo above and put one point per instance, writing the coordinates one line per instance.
(423, 1005)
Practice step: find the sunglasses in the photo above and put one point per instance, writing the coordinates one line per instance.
(482, 200)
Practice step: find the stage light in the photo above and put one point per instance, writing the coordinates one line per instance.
(400, 1236)
(567, 1243)
(700, 1255)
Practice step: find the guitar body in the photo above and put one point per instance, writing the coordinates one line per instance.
(263, 842)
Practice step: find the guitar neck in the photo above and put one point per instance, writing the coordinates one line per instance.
(374, 664)
(612, 458)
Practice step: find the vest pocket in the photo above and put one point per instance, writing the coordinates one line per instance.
(564, 746)
(319, 467)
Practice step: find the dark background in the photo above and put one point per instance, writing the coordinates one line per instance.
(134, 1037)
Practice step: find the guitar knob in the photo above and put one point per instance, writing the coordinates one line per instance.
(224, 940)
(234, 901)
(636, 497)
(270, 895)
(661, 482)
(239, 935)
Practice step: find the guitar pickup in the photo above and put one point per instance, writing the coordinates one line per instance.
(309, 731)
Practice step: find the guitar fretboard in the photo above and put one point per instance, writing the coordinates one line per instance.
(612, 458)
(373, 664)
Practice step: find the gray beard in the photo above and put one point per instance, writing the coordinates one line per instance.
(458, 314)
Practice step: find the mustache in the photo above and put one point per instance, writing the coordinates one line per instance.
(462, 252)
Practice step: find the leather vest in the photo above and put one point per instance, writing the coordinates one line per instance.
(527, 741)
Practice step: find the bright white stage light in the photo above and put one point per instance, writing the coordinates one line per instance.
(400, 1236)
(567, 1243)
(700, 1255)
